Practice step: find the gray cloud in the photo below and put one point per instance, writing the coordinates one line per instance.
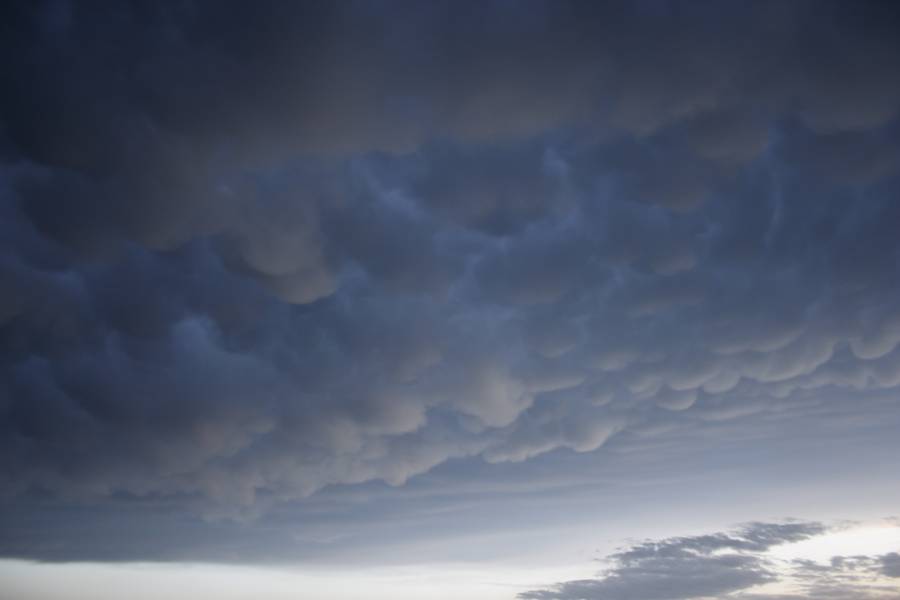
(247, 255)
(687, 567)
(890, 564)
(846, 577)
(725, 565)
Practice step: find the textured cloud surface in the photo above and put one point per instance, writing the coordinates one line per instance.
(247, 253)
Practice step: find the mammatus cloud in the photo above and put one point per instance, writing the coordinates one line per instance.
(729, 565)
(250, 254)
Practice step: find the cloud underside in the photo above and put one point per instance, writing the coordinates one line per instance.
(731, 565)
(248, 254)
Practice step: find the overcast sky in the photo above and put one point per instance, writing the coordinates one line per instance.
(450, 299)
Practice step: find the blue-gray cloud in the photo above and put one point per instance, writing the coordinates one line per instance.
(249, 254)
(890, 564)
(725, 565)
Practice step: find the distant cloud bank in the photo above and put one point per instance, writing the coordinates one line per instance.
(731, 565)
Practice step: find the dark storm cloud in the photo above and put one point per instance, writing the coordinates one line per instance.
(248, 253)
(723, 565)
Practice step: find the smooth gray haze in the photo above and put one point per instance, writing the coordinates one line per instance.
(367, 285)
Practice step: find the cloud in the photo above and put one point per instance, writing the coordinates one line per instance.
(846, 577)
(890, 564)
(248, 255)
(725, 565)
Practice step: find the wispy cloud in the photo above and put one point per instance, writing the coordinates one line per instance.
(729, 565)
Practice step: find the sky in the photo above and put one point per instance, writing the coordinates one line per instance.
(494, 300)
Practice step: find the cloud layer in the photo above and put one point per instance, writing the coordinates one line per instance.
(249, 254)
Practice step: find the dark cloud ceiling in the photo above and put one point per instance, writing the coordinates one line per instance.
(248, 253)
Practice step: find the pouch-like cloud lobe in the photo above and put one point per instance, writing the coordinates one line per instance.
(248, 253)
